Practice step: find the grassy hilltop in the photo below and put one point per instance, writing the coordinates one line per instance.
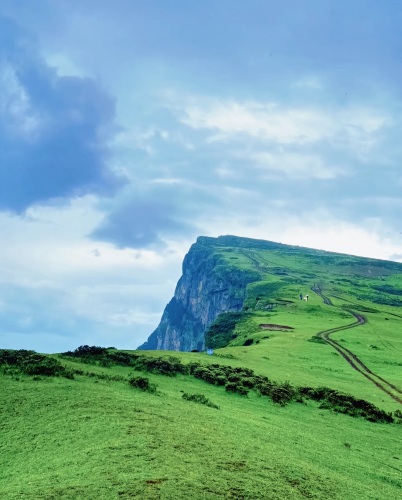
(301, 398)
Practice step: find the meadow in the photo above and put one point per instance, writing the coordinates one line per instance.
(251, 421)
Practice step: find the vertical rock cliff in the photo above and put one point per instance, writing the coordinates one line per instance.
(208, 287)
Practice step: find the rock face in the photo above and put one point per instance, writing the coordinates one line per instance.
(208, 287)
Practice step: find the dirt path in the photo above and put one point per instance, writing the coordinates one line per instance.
(255, 262)
(356, 363)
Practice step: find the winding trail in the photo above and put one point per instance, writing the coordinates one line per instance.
(256, 263)
(356, 363)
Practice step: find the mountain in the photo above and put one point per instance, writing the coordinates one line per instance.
(222, 274)
(300, 399)
(209, 286)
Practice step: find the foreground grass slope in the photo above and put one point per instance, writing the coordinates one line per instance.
(96, 436)
(113, 424)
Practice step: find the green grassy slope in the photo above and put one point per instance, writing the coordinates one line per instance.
(94, 438)
(88, 433)
(369, 287)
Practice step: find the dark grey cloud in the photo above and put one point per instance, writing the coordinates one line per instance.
(142, 223)
(53, 129)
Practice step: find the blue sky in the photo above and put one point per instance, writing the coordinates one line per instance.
(129, 128)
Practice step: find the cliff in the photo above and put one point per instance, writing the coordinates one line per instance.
(208, 287)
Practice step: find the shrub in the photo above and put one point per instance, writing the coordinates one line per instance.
(201, 399)
(169, 365)
(317, 340)
(191, 367)
(265, 388)
(220, 380)
(227, 356)
(142, 383)
(398, 416)
(248, 342)
(248, 382)
(85, 351)
(43, 366)
(345, 403)
(283, 393)
(32, 363)
(237, 387)
(205, 374)
(90, 354)
(101, 356)
(122, 358)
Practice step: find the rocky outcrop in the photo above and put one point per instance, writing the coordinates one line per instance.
(208, 287)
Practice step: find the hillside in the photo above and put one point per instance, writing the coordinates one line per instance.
(301, 398)
(241, 274)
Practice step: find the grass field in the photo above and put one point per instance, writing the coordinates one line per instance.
(89, 438)
(84, 431)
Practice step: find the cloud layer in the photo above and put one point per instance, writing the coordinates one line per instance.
(53, 130)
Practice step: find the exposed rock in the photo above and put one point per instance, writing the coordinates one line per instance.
(208, 287)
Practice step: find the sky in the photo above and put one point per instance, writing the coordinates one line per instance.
(129, 128)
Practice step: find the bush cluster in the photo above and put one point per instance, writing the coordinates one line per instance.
(235, 379)
(85, 351)
(242, 380)
(345, 403)
(201, 399)
(239, 380)
(32, 363)
(142, 383)
(280, 393)
(102, 356)
(388, 289)
(169, 365)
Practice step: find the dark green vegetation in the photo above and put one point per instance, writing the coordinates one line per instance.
(142, 383)
(222, 330)
(299, 400)
(201, 399)
(31, 363)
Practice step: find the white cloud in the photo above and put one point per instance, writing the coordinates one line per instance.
(263, 121)
(88, 286)
(294, 165)
(51, 245)
(355, 129)
(310, 229)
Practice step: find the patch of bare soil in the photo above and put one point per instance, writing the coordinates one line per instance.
(269, 326)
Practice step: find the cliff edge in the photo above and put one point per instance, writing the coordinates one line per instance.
(208, 287)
